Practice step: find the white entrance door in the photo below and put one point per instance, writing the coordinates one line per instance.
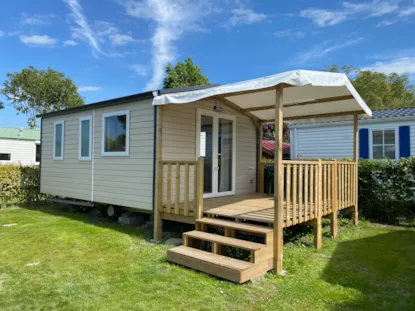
(216, 141)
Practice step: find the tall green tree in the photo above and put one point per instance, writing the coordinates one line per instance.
(184, 74)
(380, 90)
(32, 91)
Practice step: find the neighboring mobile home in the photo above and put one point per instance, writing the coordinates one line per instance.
(19, 146)
(188, 153)
(389, 133)
(268, 148)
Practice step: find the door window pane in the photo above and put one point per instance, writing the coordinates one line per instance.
(225, 155)
(206, 138)
(85, 138)
(115, 133)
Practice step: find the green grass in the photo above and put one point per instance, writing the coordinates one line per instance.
(79, 264)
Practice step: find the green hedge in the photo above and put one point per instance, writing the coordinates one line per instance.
(385, 189)
(20, 183)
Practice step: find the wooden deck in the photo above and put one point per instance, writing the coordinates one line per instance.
(259, 208)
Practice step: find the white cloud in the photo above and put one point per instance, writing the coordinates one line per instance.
(89, 89)
(399, 61)
(407, 11)
(173, 18)
(108, 30)
(386, 23)
(37, 40)
(83, 30)
(400, 65)
(243, 16)
(14, 33)
(320, 50)
(37, 19)
(324, 18)
(70, 43)
(140, 70)
(289, 33)
(1, 33)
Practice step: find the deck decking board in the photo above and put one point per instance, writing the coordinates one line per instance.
(258, 208)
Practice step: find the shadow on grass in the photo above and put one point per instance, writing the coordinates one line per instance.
(381, 268)
(170, 228)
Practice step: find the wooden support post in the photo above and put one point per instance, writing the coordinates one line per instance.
(356, 161)
(317, 221)
(158, 193)
(260, 173)
(199, 187)
(317, 232)
(278, 183)
(334, 208)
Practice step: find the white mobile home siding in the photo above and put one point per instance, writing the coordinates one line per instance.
(22, 152)
(124, 181)
(179, 141)
(336, 140)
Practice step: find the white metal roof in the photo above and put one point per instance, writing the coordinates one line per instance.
(307, 94)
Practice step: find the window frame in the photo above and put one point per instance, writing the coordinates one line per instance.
(61, 122)
(10, 157)
(89, 157)
(37, 143)
(396, 130)
(125, 153)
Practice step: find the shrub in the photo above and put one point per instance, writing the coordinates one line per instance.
(385, 189)
(20, 183)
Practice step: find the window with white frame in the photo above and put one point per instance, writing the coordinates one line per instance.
(5, 156)
(115, 133)
(85, 138)
(58, 140)
(383, 144)
(38, 152)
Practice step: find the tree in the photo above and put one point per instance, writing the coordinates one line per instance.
(379, 90)
(33, 92)
(184, 74)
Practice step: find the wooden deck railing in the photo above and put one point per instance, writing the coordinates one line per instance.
(181, 189)
(330, 185)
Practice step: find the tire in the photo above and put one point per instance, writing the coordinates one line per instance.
(112, 212)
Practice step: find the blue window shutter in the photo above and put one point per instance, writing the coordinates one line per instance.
(404, 142)
(364, 143)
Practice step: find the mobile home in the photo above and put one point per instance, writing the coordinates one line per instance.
(19, 146)
(192, 155)
(389, 133)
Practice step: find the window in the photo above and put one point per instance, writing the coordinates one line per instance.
(37, 154)
(5, 156)
(58, 140)
(383, 144)
(85, 138)
(115, 133)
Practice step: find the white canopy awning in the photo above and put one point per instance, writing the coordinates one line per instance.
(308, 96)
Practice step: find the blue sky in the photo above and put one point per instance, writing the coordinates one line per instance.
(114, 48)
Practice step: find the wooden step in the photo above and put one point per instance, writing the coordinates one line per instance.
(224, 267)
(223, 240)
(235, 225)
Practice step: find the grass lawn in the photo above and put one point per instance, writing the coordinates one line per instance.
(55, 259)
